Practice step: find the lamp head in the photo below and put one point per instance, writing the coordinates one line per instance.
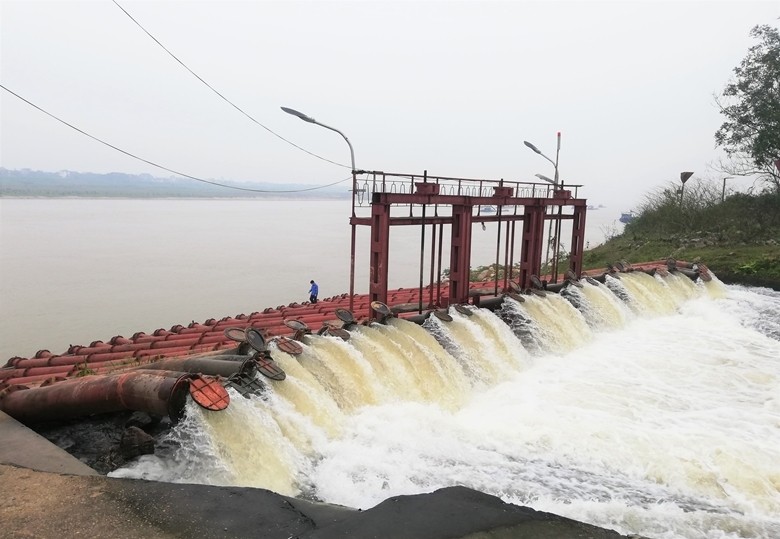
(534, 148)
(545, 178)
(300, 115)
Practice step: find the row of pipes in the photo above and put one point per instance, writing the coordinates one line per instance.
(161, 388)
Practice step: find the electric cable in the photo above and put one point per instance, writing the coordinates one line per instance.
(239, 109)
(152, 163)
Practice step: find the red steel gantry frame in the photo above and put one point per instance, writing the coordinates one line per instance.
(454, 201)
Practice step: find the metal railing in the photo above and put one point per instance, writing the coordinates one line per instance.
(366, 183)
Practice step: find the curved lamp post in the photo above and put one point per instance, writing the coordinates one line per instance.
(554, 163)
(554, 182)
(684, 176)
(723, 193)
(311, 120)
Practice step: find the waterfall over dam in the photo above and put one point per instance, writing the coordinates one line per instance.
(646, 404)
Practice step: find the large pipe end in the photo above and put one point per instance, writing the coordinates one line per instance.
(208, 393)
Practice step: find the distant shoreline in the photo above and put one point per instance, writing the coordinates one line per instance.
(27, 183)
(135, 197)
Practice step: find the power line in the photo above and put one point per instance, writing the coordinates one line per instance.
(219, 94)
(161, 166)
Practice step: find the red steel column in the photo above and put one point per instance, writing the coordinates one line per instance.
(577, 239)
(380, 246)
(533, 239)
(460, 254)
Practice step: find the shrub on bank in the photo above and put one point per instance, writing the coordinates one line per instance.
(738, 237)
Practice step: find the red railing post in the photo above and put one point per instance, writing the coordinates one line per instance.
(460, 253)
(380, 245)
(577, 239)
(533, 238)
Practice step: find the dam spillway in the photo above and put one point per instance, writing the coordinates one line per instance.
(622, 414)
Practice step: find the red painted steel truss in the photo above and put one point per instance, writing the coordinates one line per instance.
(460, 203)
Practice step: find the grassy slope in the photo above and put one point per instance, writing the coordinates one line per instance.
(737, 238)
(749, 264)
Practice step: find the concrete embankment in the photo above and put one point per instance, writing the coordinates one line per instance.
(21, 446)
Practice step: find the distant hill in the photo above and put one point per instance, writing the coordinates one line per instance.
(35, 183)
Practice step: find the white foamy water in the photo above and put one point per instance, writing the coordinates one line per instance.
(657, 414)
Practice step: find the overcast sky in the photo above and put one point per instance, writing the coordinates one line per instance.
(449, 87)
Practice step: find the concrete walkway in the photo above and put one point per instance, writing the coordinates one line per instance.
(23, 447)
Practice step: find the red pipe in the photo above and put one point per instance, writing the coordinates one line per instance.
(177, 351)
(109, 356)
(212, 338)
(6, 374)
(21, 363)
(182, 337)
(203, 348)
(156, 395)
(162, 352)
(67, 360)
(315, 317)
(177, 343)
(13, 361)
(193, 329)
(86, 350)
(129, 347)
(25, 380)
(266, 322)
(61, 370)
(124, 362)
(139, 338)
(229, 322)
(203, 365)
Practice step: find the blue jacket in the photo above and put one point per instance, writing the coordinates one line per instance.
(314, 290)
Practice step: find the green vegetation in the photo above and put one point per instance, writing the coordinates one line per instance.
(738, 238)
(83, 370)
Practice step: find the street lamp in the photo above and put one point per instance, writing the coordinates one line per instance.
(684, 176)
(311, 120)
(545, 178)
(723, 193)
(556, 186)
(557, 152)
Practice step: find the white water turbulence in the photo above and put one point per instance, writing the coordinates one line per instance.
(649, 405)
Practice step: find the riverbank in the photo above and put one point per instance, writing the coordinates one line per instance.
(737, 237)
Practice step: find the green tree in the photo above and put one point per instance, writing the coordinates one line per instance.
(751, 104)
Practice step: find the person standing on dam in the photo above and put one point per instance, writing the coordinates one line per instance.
(313, 292)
